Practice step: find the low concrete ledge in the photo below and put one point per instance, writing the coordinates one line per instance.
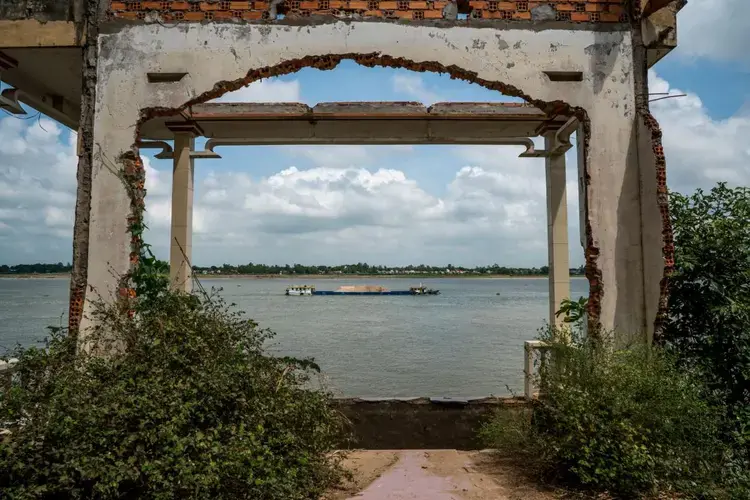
(421, 423)
(7, 367)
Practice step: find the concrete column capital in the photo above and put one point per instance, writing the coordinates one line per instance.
(557, 135)
(187, 128)
(549, 129)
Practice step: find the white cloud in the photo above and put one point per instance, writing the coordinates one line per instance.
(331, 215)
(265, 91)
(413, 86)
(37, 190)
(715, 29)
(355, 203)
(700, 151)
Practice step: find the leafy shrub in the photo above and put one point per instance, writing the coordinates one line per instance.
(628, 422)
(187, 405)
(709, 308)
(708, 325)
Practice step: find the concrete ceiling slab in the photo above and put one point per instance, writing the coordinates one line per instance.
(49, 80)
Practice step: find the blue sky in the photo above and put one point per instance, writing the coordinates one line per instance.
(390, 205)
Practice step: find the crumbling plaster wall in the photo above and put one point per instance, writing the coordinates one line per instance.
(515, 57)
(41, 10)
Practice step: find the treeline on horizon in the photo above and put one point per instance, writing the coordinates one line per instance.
(348, 269)
(364, 268)
(37, 268)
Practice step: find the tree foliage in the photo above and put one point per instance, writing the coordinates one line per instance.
(709, 303)
(186, 404)
(35, 268)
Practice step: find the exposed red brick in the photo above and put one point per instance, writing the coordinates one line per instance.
(663, 201)
(605, 11)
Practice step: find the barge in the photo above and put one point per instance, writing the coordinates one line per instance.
(301, 290)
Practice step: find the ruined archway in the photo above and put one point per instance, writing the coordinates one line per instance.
(595, 82)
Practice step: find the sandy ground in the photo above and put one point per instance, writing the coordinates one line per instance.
(434, 475)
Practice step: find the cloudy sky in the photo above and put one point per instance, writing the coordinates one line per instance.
(389, 205)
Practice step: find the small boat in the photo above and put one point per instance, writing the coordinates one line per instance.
(298, 290)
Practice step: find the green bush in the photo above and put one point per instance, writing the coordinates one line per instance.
(186, 404)
(708, 325)
(628, 422)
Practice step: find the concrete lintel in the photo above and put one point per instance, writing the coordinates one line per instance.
(247, 110)
(33, 33)
(369, 109)
(363, 109)
(358, 123)
(529, 152)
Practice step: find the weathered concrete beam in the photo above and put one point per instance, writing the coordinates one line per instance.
(32, 33)
(30, 75)
(365, 109)
(56, 107)
(211, 144)
(38, 10)
(360, 123)
(659, 28)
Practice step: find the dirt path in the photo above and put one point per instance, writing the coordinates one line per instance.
(433, 475)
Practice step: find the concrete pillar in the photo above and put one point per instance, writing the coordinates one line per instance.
(557, 230)
(181, 233)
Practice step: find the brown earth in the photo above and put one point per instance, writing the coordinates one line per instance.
(435, 475)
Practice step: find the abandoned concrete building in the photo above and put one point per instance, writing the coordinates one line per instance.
(130, 75)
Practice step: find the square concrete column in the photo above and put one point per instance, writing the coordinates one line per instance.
(557, 229)
(181, 233)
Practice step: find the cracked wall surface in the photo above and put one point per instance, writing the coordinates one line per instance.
(512, 61)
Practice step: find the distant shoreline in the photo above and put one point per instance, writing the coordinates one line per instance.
(312, 276)
(30, 276)
(362, 276)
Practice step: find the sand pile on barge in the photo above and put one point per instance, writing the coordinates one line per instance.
(362, 288)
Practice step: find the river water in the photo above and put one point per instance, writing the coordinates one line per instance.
(465, 342)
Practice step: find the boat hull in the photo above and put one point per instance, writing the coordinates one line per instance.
(359, 290)
(337, 292)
